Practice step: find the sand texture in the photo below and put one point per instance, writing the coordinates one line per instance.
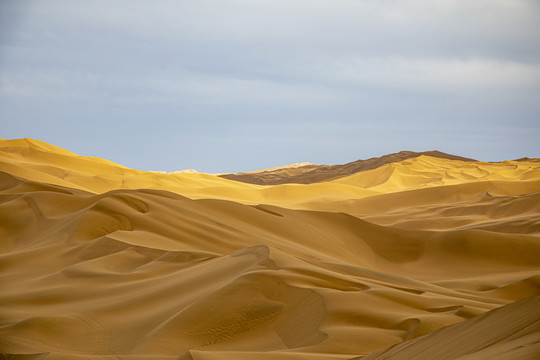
(306, 173)
(427, 257)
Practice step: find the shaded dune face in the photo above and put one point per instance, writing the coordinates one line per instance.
(151, 273)
(511, 332)
(198, 299)
(254, 312)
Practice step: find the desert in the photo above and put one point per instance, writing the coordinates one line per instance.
(413, 255)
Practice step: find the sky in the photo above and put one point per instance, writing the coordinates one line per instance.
(239, 85)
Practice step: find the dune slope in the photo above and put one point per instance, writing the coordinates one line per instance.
(311, 173)
(102, 261)
(511, 332)
(38, 161)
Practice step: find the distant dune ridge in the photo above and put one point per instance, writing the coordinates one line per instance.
(306, 173)
(406, 256)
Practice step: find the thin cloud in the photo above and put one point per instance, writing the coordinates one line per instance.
(350, 66)
(432, 74)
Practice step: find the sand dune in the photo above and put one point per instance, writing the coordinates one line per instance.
(38, 161)
(511, 332)
(306, 173)
(101, 261)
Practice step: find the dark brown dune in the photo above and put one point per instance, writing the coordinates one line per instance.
(309, 174)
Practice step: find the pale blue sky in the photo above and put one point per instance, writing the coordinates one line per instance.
(237, 85)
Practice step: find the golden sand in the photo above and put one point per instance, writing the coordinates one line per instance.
(99, 260)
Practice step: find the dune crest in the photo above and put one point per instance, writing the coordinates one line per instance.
(398, 261)
(511, 332)
(306, 173)
(38, 161)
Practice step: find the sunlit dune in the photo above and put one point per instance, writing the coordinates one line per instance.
(427, 257)
(306, 173)
(38, 161)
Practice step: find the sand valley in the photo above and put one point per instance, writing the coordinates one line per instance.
(407, 256)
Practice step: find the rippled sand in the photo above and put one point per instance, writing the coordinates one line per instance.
(430, 253)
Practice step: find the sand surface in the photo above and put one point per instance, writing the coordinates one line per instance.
(422, 258)
(306, 173)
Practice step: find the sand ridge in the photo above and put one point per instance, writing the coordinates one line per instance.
(35, 160)
(98, 260)
(306, 173)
